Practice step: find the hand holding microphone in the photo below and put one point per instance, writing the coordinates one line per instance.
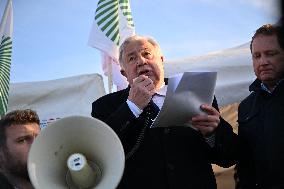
(141, 91)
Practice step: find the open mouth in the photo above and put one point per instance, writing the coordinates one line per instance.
(144, 72)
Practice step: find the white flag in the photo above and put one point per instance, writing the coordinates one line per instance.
(112, 24)
(6, 29)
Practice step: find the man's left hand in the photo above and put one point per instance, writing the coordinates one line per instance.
(206, 124)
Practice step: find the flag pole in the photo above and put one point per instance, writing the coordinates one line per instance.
(110, 79)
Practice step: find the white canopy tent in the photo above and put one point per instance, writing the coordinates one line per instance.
(58, 98)
(234, 67)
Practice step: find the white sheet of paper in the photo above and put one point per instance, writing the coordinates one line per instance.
(185, 93)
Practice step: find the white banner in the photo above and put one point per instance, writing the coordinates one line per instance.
(58, 98)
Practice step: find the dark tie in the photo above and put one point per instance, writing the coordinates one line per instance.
(152, 111)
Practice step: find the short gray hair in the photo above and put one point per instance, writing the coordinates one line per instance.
(136, 38)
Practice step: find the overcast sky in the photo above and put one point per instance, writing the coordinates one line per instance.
(50, 36)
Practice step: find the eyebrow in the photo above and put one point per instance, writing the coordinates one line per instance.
(145, 48)
(23, 136)
(142, 49)
(267, 50)
(129, 54)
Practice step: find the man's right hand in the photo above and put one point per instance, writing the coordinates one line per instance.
(141, 91)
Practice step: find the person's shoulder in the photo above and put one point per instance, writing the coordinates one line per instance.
(254, 88)
(113, 97)
(245, 109)
(248, 100)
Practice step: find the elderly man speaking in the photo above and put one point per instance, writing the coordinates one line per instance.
(172, 158)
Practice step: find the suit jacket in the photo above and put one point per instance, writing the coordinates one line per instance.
(261, 137)
(4, 183)
(173, 158)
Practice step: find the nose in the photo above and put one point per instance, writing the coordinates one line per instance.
(141, 61)
(263, 60)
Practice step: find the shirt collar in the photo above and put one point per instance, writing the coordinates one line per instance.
(162, 91)
(263, 87)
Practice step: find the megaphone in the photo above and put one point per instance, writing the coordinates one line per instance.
(74, 144)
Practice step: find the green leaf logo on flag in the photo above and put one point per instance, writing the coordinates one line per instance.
(5, 64)
(125, 8)
(107, 17)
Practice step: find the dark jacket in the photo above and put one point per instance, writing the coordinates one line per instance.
(261, 136)
(168, 158)
(4, 183)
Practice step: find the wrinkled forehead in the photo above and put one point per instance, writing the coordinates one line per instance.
(137, 46)
(265, 42)
(19, 129)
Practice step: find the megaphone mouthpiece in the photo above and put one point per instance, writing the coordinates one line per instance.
(82, 174)
(76, 162)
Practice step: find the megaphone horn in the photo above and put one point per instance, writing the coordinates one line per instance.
(76, 152)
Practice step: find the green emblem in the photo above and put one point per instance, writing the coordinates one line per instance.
(107, 17)
(5, 65)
